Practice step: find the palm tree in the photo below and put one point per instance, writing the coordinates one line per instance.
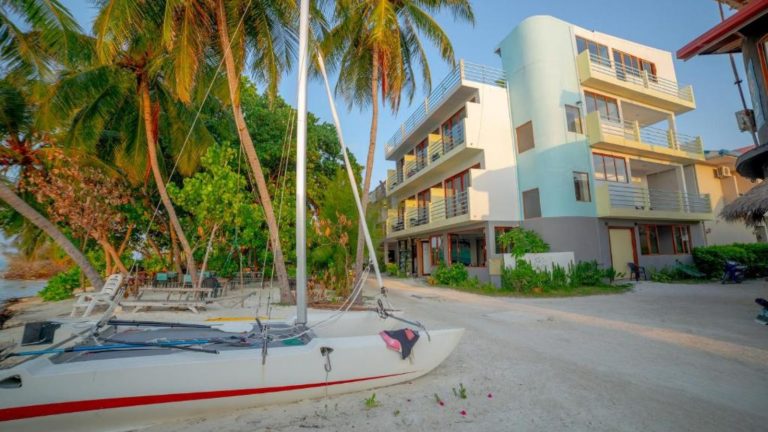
(375, 45)
(263, 30)
(128, 45)
(21, 146)
(28, 57)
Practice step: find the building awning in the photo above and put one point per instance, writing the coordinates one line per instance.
(724, 37)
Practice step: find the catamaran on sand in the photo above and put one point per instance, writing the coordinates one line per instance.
(109, 374)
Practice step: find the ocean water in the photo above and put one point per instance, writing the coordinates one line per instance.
(10, 288)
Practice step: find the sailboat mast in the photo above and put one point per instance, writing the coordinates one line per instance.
(301, 168)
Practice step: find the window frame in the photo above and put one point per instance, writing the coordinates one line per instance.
(528, 124)
(578, 124)
(525, 210)
(603, 60)
(601, 100)
(603, 157)
(686, 245)
(576, 188)
(436, 250)
(635, 62)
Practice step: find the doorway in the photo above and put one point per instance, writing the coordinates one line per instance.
(426, 259)
(622, 243)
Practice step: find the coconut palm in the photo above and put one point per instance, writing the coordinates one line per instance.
(375, 45)
(129, 85)
(21, 146)
(260, 30)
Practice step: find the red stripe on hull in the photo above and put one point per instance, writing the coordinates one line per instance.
(23, 412)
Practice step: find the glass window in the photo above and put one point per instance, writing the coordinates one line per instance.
(649, 240)
(682, 239)
(531, 204)
(607, 107)
(524, 135)
(581, 186)
(436, 249)
(573, 119)
(599, 166)
(610, 168)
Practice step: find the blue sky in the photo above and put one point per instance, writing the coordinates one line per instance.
(663, 24)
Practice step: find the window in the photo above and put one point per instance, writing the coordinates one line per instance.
(581, 186)
(453, 130)
(682, 239)
(608, 107)
(421, 155)
(665, 239)
(436, 250)
(610, 168)
(468, 249)
(573, 119)
(455, 190)
(531, 204)
(649, 240)
(500, 247)
(598, 52)
(627, 64)
(524, 135)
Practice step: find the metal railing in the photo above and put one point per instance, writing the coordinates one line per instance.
(398, 224)
(640, 77)
(457, 205)
(463, 71)
(435, 152)
(651, 135)
(418, 216)
(640, 198)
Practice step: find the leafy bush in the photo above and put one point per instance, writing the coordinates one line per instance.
(520, 241)
(454, 276)
(711, 259)
(523, 278)
(60, 287)
(393, 270)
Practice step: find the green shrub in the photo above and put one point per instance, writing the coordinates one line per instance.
(60, 287)
(526, 279)
(454, 276)
(393, 270)
(587, 273)
(711, 259)
(520, 241)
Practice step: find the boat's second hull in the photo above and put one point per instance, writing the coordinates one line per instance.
(134, 392)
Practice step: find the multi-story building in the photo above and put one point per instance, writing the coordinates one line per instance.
(453, 160)
(603, 170)
(719, 178)
(576, 139)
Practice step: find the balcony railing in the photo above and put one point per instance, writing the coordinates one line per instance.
(435, 152)
(397, 224)
(418, 216)
(651, 135)
(640, 77)
(456, 205)
(463, 71)
(639, 198)
(425, 217)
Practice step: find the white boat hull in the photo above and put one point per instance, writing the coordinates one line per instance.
(128, 393)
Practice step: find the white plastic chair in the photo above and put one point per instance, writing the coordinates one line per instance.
(90, 300)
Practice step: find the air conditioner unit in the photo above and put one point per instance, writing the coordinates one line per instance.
(723, 172)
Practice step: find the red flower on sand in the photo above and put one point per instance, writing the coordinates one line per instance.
(463, 412)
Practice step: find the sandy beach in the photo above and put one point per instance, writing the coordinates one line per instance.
(648, 360)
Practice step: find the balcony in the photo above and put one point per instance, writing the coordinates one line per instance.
(460, 84)
(441, 212)
(621, 200)
(439, 159)
(631, 138)
(599, 73)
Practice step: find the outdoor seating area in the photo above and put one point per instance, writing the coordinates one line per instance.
(169, 290)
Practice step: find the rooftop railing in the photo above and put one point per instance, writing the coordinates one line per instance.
(640, 77)
(463, 71)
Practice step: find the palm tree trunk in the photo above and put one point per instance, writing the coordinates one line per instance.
(175, 258)
(152, 147)
(18, 204)
(207, 254)
(107, 262)
(233, 79)
(368, 164)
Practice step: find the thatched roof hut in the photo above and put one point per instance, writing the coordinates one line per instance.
(750, 208)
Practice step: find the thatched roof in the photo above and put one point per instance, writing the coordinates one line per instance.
(749, 208)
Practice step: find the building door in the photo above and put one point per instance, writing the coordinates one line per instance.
(622, 241)
(426, 259)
